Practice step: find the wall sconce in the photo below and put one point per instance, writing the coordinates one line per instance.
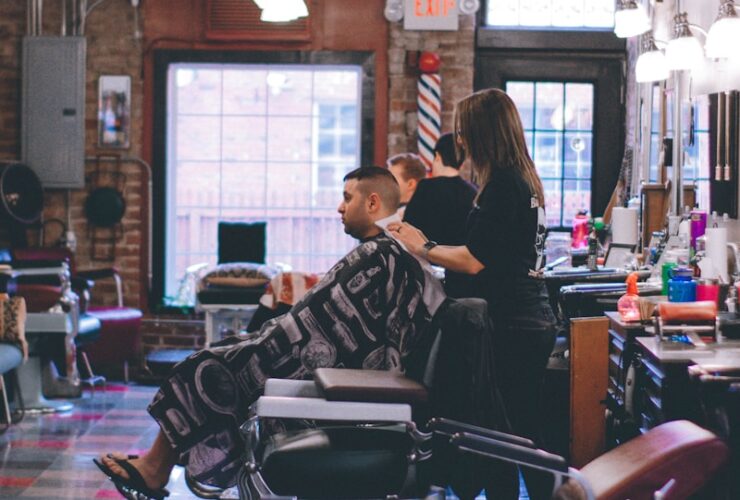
(684, 51)
(652, 65)
(630, 19)
(281, 11)
(724, 34)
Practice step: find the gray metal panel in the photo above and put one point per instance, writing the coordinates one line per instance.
(53, 103)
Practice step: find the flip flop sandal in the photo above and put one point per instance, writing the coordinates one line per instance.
(133, 487)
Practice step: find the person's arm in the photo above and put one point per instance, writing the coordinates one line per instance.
(454, 258)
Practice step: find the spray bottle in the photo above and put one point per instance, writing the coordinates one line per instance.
(629, 303)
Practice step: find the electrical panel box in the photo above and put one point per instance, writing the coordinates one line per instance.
(53, 109)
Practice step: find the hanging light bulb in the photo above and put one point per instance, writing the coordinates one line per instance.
(282, 11)
(652, 65)
(630, 19)
(724, 35)
(684, 51)
(393, 11)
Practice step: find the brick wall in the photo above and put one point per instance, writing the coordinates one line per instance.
(456, 52)
(112, 50)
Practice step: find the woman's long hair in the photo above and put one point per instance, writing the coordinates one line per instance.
(490, 133)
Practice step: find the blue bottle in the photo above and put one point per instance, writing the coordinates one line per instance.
(681, 286)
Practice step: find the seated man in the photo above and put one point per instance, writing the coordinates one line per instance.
(408, 170)
(369, 311)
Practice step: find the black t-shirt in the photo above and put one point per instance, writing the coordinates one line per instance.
(506, 232)
(440, 208)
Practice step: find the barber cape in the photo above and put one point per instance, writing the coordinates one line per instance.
(369, 311)
(372, 310)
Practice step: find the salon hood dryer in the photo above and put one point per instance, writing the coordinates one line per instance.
(21, 202)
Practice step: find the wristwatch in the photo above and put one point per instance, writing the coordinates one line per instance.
(427, 247)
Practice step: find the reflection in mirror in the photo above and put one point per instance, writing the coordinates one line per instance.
(723, 152)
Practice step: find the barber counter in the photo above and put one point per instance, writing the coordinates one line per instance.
(652, 381)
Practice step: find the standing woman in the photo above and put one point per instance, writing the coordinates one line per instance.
(504, 248)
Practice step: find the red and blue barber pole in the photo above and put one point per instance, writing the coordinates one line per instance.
(429, 107)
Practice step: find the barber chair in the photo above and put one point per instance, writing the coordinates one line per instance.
(108, 337)
(672, 461)
(367, 443)
(719, 396)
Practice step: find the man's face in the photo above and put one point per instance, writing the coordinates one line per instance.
(407, 187)
(354, 210)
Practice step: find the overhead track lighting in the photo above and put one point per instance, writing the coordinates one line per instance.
(684, 51)
(724, 34)
(630, 19)
(652, 65)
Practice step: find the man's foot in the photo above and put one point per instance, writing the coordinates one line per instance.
(133, 473)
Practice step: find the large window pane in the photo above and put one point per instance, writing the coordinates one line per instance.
(558, 122)
(259, 143)
(198, 90)
(549, 102)
(522, 93)
(573, 14)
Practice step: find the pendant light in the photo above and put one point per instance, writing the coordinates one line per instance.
(652, 65)
(684, 51)
(281, 11)
(724, 35)
(630, 19)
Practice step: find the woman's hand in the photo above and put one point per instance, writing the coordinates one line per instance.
(411, 237)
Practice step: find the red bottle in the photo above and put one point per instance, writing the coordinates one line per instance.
(580, 231)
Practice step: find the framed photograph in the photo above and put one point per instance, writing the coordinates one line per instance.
(114, 111)
(617, 254)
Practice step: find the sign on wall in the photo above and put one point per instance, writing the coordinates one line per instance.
(440, 15)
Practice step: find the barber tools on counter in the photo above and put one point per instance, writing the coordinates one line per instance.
(692, 324)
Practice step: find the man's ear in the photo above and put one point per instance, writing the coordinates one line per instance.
(373, 202)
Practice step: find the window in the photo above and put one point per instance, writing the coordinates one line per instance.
(571, 14)
(558, 121)
(257, 142)
(696, 145)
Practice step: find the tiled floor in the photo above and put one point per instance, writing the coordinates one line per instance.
(50, 456)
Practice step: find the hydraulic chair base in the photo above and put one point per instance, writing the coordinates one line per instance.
(29, 376)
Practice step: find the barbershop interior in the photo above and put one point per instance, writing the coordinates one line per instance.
(218, 278)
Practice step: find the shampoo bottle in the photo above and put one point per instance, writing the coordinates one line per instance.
(629, 305)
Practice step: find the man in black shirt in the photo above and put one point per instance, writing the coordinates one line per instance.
(440, 207)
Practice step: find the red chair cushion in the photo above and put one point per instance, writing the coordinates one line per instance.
(120, 335)
(679, 450)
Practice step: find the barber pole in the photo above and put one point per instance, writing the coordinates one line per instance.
(429, 107)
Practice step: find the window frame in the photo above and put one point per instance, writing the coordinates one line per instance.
(163, 58)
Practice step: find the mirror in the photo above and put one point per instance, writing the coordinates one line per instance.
(114, 110)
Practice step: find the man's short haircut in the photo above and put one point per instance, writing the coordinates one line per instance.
(411, 166)
(378, 180)
(446, 148)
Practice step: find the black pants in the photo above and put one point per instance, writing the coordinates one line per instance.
(524, 337)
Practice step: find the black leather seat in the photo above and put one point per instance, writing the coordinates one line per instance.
(339, 462)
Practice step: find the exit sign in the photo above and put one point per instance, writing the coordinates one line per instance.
(438, 15)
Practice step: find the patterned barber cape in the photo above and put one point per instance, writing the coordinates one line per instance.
(369, 311)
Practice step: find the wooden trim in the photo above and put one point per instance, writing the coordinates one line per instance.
(244, 23)
(589, 378)
(553, 39)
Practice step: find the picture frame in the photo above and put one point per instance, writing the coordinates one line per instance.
(114, 111)
(617, 254)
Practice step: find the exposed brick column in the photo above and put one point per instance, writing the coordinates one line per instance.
(456, 50)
